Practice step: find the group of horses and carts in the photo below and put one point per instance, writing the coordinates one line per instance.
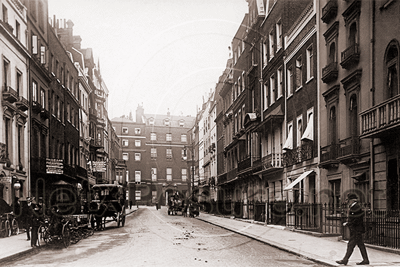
(67, 223)
(177, 203)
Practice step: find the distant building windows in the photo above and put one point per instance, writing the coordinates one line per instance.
(125, 143)
(181, 123)
(167, 122)
(154, 174)
(125, 156)
(279, 82)
(392, 69)
(138, 143)
(125, 130)
(169, 153)
(153, 136)
(299, 73)
(183, 138)
(272, 90)
(278, 35)
(137, 157)
(137, 131)
(138, 194)
(153, 152)
(271, 45)
(151, 121)
(184, 175)
(169, 174)
(138, 176)
(168, 137)
(289, 81)
(310, 63)
(266, 95)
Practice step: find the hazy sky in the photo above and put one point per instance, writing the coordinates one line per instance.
(164, 54)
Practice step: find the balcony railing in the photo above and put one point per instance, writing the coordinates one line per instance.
(381, 118)
(329, 155)
(232, 174)
(350, 56)
(329, 11)
(305, 152)
(36, 107)
(273, 160)
(330, 72)
(9, 94)
(244, 164)
(22, 103)
(349, 149)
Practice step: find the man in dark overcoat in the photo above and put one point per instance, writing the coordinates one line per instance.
(355, 223)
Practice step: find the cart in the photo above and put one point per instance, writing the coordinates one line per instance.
(176, 204)
(107, 204)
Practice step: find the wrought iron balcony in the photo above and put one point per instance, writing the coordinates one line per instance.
(82, 172)
(9, 94)
(350, 56)
(222, 179)
(329, 156)
(330, 72)
(244, 164)
(329, 11)
(381, 119)
(349, 150)
(305, 152)
(44, 113)
(22, 103)
(272, 162)
(232, 174)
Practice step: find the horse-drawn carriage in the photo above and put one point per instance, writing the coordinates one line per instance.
(176, 203)
(107, 204)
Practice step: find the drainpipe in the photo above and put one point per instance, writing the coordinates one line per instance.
(372, 77)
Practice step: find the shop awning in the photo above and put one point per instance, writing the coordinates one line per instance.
(301, 177)
(309, 132)
(289, 141)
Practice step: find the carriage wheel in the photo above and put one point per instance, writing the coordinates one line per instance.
(66, 235)
(15, 227)
(7, 228)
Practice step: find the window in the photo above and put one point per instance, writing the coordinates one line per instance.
(332, 53)
(125, 130)
(280, 82)
(68, 112)
(5, 14)
(127, 176)
(137, 131)
(138, 143)
(392, 70)
(184, 175)
(154, 174)
(125, 156)
(271, 45)
(153, 152)
(289, 81)
(266, 96)
(137, 156)
(243, 83)
(166, 122)
(332, 125)
(181, 123)
(169, 174)
(168, 137)
(183, 138)
(19, 82)
(138, 176)
(138, 194)
(272, 89)
(153, 137)
(34, 91)
(151, 121)
(299, 130)
(184, 156)
(125, 142)
(169, 153)
(20, 147)
(265, 52)
(299, 73)
(17, 30)
(42, 55)
(310, 63)
(335, 193)
(43, 98)
(278, 35)
(8, 137)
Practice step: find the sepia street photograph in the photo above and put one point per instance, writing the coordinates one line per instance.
(199, 133)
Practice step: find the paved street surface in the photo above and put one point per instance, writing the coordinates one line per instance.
(152, 238)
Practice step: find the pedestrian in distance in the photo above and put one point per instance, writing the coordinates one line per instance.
(36, 219)
(355, 223)
(27, 213)
(130, 204)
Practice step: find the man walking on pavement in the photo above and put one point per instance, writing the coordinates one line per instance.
(355, 223)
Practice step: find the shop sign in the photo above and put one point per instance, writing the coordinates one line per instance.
(54, 166)
(97, 166)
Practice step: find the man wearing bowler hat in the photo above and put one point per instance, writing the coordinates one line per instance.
(355, 223)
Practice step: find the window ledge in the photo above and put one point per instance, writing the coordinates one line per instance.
(309, 80)
(299, 88)
(290, 96)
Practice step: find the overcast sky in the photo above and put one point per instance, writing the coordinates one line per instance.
(164, 54)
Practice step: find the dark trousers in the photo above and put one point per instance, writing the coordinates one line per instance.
(28, 227)
(34, 234)
(356, 238)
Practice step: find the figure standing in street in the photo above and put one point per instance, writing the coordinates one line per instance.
(36, 219)
(355, 223)
(27, 213)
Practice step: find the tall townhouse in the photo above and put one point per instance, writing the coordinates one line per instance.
(39, 84)
(302, 109)
(223, 82)
(192, 158)
(207, 149)
(379, 108)
(154, 148)
(345, 66)
(234, 95)
(62, 162)
(14, 156)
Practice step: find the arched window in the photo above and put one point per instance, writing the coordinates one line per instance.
(392, 69)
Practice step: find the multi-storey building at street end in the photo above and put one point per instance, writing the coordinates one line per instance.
(154, 148)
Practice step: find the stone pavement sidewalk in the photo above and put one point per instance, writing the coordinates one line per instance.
(14, 247)
(325, 250)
